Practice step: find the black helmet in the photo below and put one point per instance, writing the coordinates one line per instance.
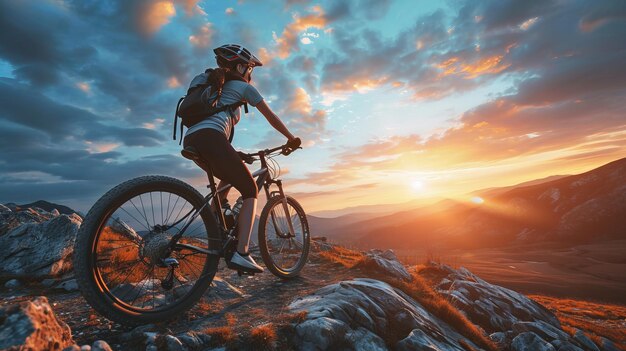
(233, 53)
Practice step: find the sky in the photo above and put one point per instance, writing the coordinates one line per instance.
(395, 101)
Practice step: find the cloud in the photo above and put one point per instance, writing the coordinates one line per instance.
(155, 14)
(63, 121)
(287, 42)
(203, 38)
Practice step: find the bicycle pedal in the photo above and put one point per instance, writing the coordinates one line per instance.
(242, 273)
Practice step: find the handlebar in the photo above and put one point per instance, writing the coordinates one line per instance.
(250, 158)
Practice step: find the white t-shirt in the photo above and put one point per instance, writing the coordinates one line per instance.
(232, 92)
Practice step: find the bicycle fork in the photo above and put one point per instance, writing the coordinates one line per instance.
(283, 198)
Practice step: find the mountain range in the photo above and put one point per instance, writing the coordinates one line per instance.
(572, 209)
(44, 205)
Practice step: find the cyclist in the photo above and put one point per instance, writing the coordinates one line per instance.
(211, 136)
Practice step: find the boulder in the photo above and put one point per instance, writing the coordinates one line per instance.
(32, 325)
(371, 310)
(542, 329)
(68, 285)
(10, 219)
(561, 345)
(584, 341)
(607, 345)
(100, 345)
(515, 321)
(385, 263)
(38, 249)
(365, 340)
(320, 243)
(494, 308)
(530, 341)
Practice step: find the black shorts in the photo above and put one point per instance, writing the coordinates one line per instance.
(225, 163)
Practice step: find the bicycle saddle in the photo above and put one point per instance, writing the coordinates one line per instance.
(190, 152)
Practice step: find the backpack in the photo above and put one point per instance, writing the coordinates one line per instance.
(195, 106)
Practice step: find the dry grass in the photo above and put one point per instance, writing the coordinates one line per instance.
(223, 335)
(263, 337)
(594, 319)
(293, 317)
(342, 256)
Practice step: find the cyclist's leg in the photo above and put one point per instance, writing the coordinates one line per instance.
(228, 167)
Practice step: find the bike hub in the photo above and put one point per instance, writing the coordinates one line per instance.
(155, 247)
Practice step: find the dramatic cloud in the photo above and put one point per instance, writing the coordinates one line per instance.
(88, 89)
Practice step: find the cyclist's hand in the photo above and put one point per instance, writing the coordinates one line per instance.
(245, 157)
(294, 143)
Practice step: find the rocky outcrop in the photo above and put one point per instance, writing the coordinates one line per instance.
(369, 312)
(515, 321)
(32, 325)
(36, 244)
(320, 243)
(384, 263)
(493, 307)
(10, 219)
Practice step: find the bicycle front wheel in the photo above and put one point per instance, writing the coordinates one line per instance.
(284, 246)
(125, 263)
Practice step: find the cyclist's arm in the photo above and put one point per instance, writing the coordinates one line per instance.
(273, 119)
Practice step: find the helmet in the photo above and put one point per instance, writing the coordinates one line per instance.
(236, 54)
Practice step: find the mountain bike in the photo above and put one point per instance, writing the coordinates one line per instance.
(150, 247)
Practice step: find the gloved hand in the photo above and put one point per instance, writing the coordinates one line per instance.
(245, 157)
(294, 143)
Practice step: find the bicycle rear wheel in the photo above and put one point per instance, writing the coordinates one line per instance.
(284, 251)
(124, 263)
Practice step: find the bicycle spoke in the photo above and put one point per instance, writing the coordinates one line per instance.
(161, 201)
(144, 217)
(152, 207)
(141, 282)
(133, 217)
(167, 220)
(144, 211)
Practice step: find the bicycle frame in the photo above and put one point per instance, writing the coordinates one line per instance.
(263, 180)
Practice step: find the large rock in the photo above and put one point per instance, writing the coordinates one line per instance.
(493, 307)
(385, 263)
(345, 314)
(32, 325)
(10, 219)
(39, 247)
(517, 322)
(530, 341)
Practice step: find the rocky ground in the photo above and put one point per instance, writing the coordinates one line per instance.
(343, 300)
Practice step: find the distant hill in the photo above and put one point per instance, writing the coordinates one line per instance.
(491, 192)
(365, 210)
(580, 208)
(44, 205)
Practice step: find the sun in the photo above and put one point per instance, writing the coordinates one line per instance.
(417, 185)
(478, 200)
